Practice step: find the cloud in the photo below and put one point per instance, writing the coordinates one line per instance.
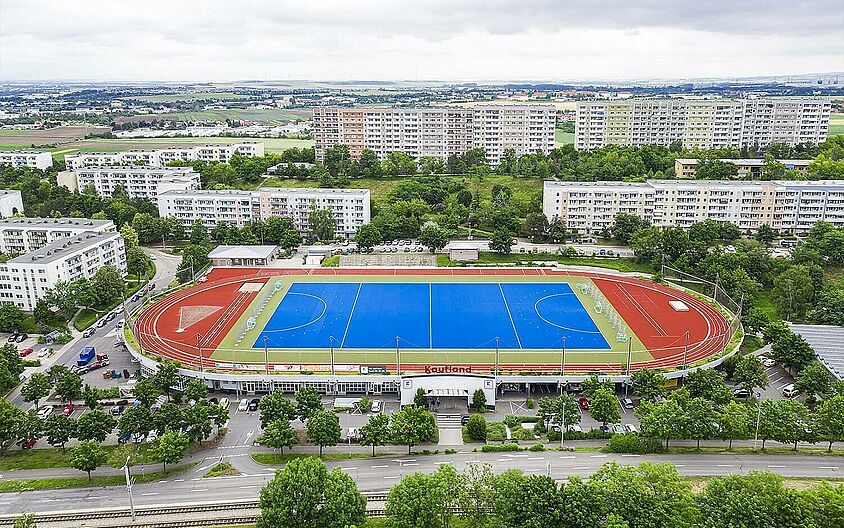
(444, 39)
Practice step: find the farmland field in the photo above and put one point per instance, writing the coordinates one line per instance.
(189, 96)
(266, 115)
(836, 124)
(57, 136)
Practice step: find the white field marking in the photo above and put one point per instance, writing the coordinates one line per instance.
(507, 306)
(351, 313)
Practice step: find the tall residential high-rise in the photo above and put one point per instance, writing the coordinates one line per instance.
(702, 123)
(437, 132)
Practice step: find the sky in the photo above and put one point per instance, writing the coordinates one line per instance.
(450, 40)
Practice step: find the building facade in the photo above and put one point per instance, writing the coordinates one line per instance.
(702, 123)
(161, 157)
(789, 206)
(436, 132)
(686, 168)
(22, 235)
(26, 158)
(138, 182)
(350, 207)
(26, 278)
(11, 203)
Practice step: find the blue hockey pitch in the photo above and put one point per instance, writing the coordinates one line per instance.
(369, 315)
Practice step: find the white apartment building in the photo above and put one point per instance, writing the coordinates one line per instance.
(211, 207)
(750, 168)
(351, 207)
(26, 278)
(160, 157)
(790, 206)
(139, 182)
(702, 123)
(26, 158)
(437, 132)
(22, 235)
(11, 203)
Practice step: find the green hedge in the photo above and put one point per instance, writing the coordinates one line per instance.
(631, 443)
(500, 448)
(495, 432)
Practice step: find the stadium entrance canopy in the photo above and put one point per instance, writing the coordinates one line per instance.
(452, 391)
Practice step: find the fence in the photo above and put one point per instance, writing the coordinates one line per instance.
(713, 290)
(259, 305)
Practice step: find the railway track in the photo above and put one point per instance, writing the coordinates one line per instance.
(178, 516)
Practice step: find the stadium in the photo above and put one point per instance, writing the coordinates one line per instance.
(375, 330)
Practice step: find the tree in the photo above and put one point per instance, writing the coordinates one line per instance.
(765, 234)
(306, 495)
(661, 421)
(87, 456)
(136, 261)
(521, 497)
(479, 400)
(321, 224)
(107, 284)
(536, 227)
(476, 428)
(58, 429)
(130, 236)
(37, 387)
(368, 236)
(146, 391)
(715, 169)
(11, 367)
(784, 421)
(169, 448)
(412, 426)
(501, 241)
(593, 383)
(275, 406)
(136, 421)
(415, 501)
(420, 399)
(828, 308)
(757, 500)
(750, 373)
(278, 434)
(700, 420)
(26, 520)
(90, 396)
(559, 410)
(198, 233)
(168, 418)
(625, 225)
(376, 431)
(10, 416)
(709, 384)
(476, 494)
(648, 384)
(830, 417)
(793, 292)
(146, 228)
(10, 317)
(28, 426)
(95, 425)
(814, 381)
(197, 422)
(196, 390)
(324, 428)
(604, 406)
(69, 386)
(433, 237)
(167, 376)
(194, 258)
(792, 351)
(308, 403)
(733, 422)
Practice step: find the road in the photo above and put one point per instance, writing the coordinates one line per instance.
(378, 474)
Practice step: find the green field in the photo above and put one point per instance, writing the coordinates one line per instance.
(836, 124)
(562, 138)
(189, 96)
(234, 349)
(263, 115)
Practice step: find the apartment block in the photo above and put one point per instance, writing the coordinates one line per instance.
(22, 235)
(437, 132)
(789, 206)
(161, 157)
(11, 203)
(350, 207)
(26, 158)
(139, 182)
(686, 168)
(702, 123)
(26, 278)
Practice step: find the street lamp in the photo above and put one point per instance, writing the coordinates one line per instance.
(563, 366)
(497, 347)
(758, 419)
(331, 341)
(129, 487)
(266, 358)
(199, 350)
(398, 357)
(629, 353)
(563, 428)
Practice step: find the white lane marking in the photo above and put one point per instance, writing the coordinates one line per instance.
(514, 456)
(679, 465)
(827, 467)
(392, 476)
(349, 468)
(628, 455)
(504, 460)
(776, 466)
(567, 457)
(412, 464)
(379, 467)
(579, 468)
(198, 490)
(443, 463)
(598, 456)
(724, 465)
(248, 487)
(536, 458)
(179, 480)
(152, 493)
(473, 461)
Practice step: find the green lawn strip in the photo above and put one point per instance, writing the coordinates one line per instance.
(88, 316)
(223, 469)
(53, 458)
(746, 450)
(274, 459)
(10, 486)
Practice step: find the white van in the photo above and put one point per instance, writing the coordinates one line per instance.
(244, 405)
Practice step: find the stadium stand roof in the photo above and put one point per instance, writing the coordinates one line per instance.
(828, 343)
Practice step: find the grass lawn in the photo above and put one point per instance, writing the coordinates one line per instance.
(562, 138)
(223, 469)
(88, 316)
(274, 459)
(56, 458)
(11, 486)
(836, 124)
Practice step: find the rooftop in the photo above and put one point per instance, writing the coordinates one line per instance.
(312, 190)
(209, 192)
(242, 252)
(826, 341)
(746, 161)
(135, 168)
(62, 248)
(80, 223)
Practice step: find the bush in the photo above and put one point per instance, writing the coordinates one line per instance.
(523, 434)
(539, 428)
(537, 447)
(476, 428)
(596, 434)
(529, 403)
(495, 432)
(499, 448)
(450, 451)
(515, 420)
(631, 443)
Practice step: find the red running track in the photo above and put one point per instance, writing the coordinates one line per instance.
(642, 304)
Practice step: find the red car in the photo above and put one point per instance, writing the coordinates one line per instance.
(583, 403)
(68, 409)
(28, 443)
(26, 352)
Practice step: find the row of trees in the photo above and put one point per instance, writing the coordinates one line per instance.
(305, 493)
(410, 426)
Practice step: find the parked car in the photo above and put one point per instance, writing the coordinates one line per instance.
(116, 410)
(253, 404)
(89, 332)
(742, 393)
(618, 429)
(110, 316)
(101, 323)
(627, 403)
(630, 428)
(224, 402)
(68, 409)
(124, 439)
(583, 403)
(28, 443)
(766, 361)
(244, 405)
(574, 428)
(44, 352)
(376, 406)
(13, 338)
(25, 352)
(120, 323)
(21, 338)
(45, 411)
(151, 437)
(790, 391)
